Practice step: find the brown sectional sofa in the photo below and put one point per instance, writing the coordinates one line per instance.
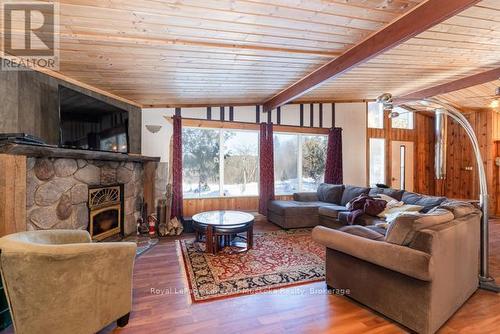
(418, 271)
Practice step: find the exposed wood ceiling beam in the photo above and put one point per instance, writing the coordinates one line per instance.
(247, 104)
(473, 80)
(418, 20)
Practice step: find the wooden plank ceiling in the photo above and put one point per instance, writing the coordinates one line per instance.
(476, 97)
(175, 52)
(463, 45)
(210, 51)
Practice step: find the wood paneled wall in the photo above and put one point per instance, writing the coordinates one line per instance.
(197, 205)
(462, 181)
(423, 137)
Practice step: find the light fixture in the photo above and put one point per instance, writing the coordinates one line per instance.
(386, 101)
(153, 128)
(495, 104)
(485, 280)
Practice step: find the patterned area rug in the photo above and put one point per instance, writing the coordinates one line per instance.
(279, 259)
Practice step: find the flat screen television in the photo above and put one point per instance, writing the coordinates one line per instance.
(90, 124)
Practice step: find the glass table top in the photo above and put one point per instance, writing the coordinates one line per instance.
(223, 218)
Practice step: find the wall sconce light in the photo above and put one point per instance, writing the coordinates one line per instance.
(153, 128)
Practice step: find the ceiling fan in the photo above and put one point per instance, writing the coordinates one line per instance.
(495, 98)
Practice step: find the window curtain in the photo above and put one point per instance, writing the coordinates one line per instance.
(266, 167)
(177, 168)
(333, 169)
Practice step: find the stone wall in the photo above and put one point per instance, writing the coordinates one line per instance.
(57, 191)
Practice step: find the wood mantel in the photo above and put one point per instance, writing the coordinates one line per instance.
(49, 151)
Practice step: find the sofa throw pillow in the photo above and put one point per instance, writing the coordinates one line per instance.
(394, 193)
(330, 193)
(428, 202)
(391, 213)
(403, 229)
(351, 192)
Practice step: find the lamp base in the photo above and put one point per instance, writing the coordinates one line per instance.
(489, 284)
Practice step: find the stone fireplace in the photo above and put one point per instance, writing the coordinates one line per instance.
(105, 211)
(45, 187)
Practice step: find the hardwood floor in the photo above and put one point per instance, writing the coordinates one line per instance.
(303, 309)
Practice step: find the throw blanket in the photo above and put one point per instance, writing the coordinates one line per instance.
(364, 204)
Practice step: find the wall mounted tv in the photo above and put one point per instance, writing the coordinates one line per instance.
(90, 124)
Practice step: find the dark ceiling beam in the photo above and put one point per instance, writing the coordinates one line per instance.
(466, 82)
(418, 20)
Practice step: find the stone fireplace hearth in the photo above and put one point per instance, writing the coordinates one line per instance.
(58, 191)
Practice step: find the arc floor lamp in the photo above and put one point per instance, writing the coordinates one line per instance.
(485, 280)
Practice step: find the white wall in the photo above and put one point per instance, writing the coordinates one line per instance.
(157, 144)
(350, 116)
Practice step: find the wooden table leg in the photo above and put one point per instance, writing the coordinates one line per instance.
(210, 239)
(250, 237)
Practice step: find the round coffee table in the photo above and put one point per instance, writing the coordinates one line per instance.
(226, 224)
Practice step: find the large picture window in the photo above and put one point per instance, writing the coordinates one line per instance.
(313, 161)
(223, 162)
(286, 163)
(219, 162)
(241, 161)
(299, 162)
(200, 162)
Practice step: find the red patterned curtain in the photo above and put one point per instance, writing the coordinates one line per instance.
(177, 168)
(266, 157)
(333, 169)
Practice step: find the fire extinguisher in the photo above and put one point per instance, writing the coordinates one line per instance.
(152, 221)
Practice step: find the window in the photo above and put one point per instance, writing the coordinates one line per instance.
(299, 162)
(205, 176)
(404, 120)
(377, 161)
(286, 163)
(241, 161)
(313, 161)
(200, 162)
(402, 164)
(375, 115)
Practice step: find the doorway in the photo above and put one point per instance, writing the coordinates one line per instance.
(402, 170)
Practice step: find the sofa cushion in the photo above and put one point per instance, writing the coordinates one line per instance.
(363, 220)
(428, 202)
(394, 193)
(305, 197)
(293, 208)
(330, 193)
(331, 211)
(351, 192)
(403, 229)
(458, 208)
(362, 231)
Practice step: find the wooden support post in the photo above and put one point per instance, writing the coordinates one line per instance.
(149, 186)
(12, 194)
